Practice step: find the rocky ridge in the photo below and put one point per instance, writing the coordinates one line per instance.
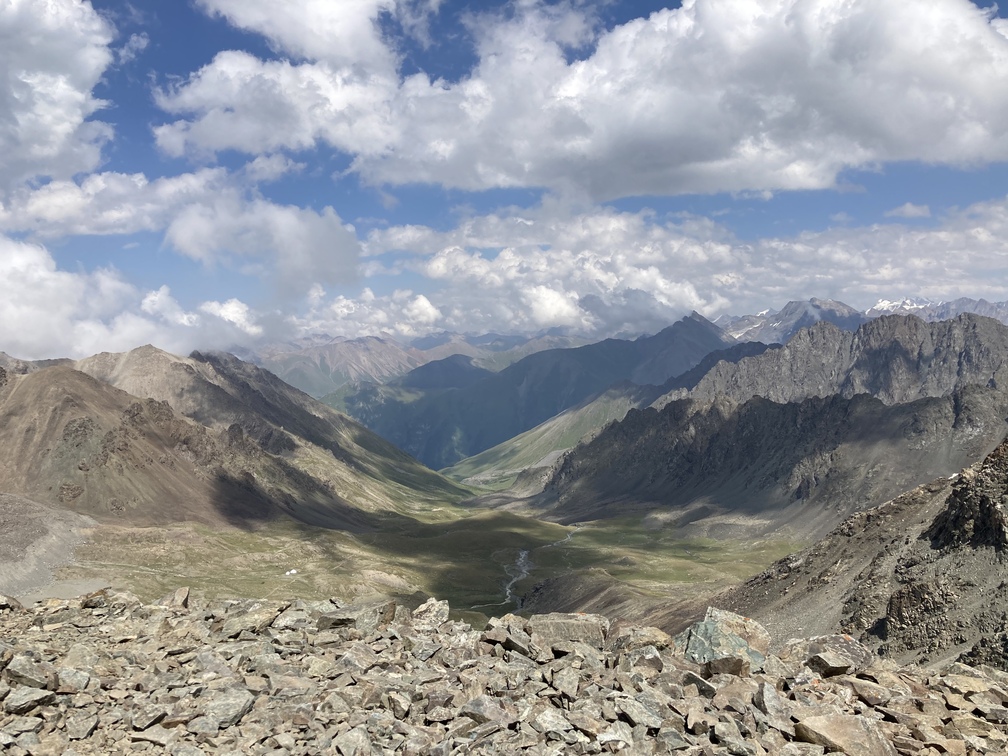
(107, 673)
(923, 577)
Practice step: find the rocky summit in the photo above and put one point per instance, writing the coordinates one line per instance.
(106, 673)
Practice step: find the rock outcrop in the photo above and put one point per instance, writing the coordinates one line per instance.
(106, 673)
(923, 577)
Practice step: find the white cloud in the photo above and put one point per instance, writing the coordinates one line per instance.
(162, 305)
(421, 311)
(48, 312)
(267, 168)
(135, 45)
(235, 312)
(344, 34)
(909, 210)
(108, 203)
(52, 56)
(259, 107)
(207, 215)
(602, 272)
(291, 246)
(747, 95)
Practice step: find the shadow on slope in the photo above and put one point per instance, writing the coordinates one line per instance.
(804, 464)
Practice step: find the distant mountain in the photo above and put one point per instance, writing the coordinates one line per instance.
(540, 446)
(928, 310)
(457, 371)
(828, 424)
(920, 578)
(15, 366)
(895, 358)
(147, 437)
(772, 326)
(321, 368)
(321, 365)
(442, 427)
(777, 327)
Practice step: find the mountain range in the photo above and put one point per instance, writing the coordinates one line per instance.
(320, 365)
(848, 419)
(451, 426)
(442, 425)
(683, 461)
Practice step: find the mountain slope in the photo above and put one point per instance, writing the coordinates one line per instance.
(319, 369)
(897, 358)
(728, 469)
(830, 423)
(211, 439)
(540, 446)
(920, 578)
(442, 428)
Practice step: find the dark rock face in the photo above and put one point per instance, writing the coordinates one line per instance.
(923, 577)
(825, 458)
(809, 422)
(897, 358)
(975, 512)
(109, 674)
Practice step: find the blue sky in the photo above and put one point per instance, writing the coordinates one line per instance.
(205, 173)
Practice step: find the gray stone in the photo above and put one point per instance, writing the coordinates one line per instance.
(355, 742)
(366, 617)
(227, 707)
(566, 681)
(72, 680)
(19, 725)
(618, 734)
(710, 640)
(548, 629)
(156, 734)
(485, 708)
(430, 615)
(23, 670)
(22, 700)
(80, 725)
(842, 732)
(637, 713)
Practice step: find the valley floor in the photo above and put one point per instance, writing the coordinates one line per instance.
(485, 562)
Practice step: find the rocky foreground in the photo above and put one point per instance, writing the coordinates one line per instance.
(106, 673)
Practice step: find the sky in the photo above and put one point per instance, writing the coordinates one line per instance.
(219, 173)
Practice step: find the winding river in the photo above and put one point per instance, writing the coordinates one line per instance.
(520, 570)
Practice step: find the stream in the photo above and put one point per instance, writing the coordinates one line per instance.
(520, 570)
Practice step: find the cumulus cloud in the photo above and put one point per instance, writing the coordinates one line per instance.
(53, 55)
(401, 313)
(47, 312)
(162, 305)
(293, 247)
(108, 203)
(754, 95)
(208, 215)
(235, 312)
(267, 168)
(909, 210)
(601, 272)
